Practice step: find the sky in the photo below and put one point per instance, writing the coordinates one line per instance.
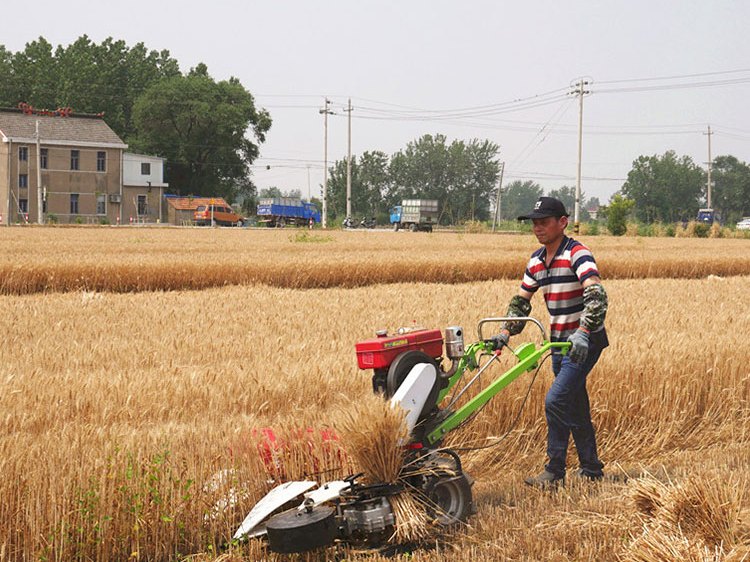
(494, 70)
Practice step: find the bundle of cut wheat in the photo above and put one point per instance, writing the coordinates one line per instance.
(373, 435)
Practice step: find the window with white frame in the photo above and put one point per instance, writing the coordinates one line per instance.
(23, 153)
(101, 161)
(23, 180)
(73, 203)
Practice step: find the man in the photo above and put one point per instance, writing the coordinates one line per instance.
(566, 272)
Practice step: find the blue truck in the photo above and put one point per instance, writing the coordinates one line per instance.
(283, 211)
(415, 214)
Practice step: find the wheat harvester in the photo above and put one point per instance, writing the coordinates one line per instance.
(407, 369)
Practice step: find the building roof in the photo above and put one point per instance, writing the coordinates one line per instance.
(192, 203)
(72, 130)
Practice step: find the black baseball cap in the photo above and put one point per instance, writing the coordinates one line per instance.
(546, 207)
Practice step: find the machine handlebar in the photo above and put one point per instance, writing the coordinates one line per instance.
(501, 319)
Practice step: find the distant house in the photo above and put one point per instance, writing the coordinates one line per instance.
(143, 188)
(180, 209)
(80, 159)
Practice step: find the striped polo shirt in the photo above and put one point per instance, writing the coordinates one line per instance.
(561, 284)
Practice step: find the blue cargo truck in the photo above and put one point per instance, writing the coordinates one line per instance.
(415, 214)
(283, 211)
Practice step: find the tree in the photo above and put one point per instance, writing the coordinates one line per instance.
(617, 214)
(370, 180)
(199, 125)
(664, 188)
(731, 191)
(519, 198)
(88, 77)
(461, 176)
(270, 193)
(567, 195)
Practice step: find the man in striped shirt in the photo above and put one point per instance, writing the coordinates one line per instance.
(565, 271)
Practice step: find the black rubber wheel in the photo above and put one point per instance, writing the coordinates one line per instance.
(450, 500)
(395, 227)
(400, 369)
(413, 227)
(300, 531)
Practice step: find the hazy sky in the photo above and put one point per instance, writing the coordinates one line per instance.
(397, 58)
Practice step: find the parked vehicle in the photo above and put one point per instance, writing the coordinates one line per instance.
(283, 211)
(368, 223)
(744, 224)
(220, 215)
(415, 214)
(706, 216)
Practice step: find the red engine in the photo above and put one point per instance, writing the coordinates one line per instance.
(380, 353)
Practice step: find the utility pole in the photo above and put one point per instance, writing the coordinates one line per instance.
(580, 92)
(39, 198)
(499, 196)
(309, 193)
(349, 163)
(708, 187)
(326, 112)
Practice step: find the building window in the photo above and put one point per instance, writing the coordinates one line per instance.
(43, 153)
(145, 168)
(101, 204)
(23, 153)
(75, 156)
(23, 180)
(23, 205)
(73, 203)
(101, 161)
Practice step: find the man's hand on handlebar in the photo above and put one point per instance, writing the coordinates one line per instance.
(500, 340)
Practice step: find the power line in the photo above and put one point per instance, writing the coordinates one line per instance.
(675, 76)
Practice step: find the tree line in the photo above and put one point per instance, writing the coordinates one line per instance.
(197, 124)
(210, 133)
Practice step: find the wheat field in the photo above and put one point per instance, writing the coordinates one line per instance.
(126, 259)
(118, 410)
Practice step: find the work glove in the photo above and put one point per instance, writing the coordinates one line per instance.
(579, 348)
(499, 341)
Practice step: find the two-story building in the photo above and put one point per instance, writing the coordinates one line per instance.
(143, 188)
(79, 163)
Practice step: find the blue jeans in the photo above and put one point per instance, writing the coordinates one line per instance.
(567, 409)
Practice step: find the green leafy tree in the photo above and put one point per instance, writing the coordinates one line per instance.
(519, 198)
(200, 126)
(8, 95)
(270, 192)
(617, 214)
(730, 195)
(35, 75)
(370, 180)
(88, 77)
(461, 176)
(567, 195)
(664, 188)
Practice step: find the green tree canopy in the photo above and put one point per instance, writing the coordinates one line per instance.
(461, 176)
(199, 125)
(730, 195)
(88, 77)
(519, 198)
(567, 195)
(664, 188)
(370, 181)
